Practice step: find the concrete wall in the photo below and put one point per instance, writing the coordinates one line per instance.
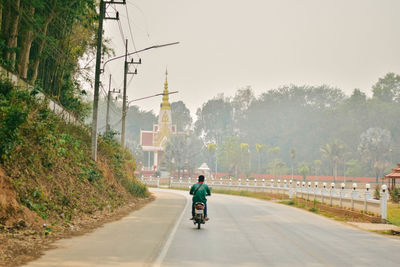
(53, 105)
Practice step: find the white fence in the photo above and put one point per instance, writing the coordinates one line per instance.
(154, 182)
(354, 198)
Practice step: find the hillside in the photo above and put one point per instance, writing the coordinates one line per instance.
(49, 186)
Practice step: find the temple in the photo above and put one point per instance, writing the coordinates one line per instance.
(153, 142)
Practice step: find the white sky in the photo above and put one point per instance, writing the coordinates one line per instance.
(230, 44)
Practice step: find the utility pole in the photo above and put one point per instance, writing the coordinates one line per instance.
(97, 73)
(108, 106)
(126, 72)
(108, 128)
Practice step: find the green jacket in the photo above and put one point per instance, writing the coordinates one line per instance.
(201, 193)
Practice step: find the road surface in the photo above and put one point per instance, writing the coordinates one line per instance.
(241, 232)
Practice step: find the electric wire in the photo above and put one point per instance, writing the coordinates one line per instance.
(130, 29)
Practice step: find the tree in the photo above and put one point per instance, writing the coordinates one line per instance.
(229, 155)
(181, 116)
(387, 89)
(43, 41)
(333, 152)
(240, 103)
(374, 147)
(354, 168)
(260, 148)
(212, 153)
(182, 153)
(317, 167)
(214, 120)
(304, 170)
(292, 158)
(245, 158)
(274, 151)
(175, 153)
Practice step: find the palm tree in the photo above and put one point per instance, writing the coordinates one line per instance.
(245, 148)
(274, 151)
(333, 152)
(212, 148)
(292, 158)
(317, 167)
(259, 149)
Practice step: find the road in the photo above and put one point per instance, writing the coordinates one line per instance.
(241, 232)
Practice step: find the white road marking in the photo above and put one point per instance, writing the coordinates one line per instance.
(171, 236)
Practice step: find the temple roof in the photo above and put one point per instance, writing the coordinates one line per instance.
(165, 100)
(395, 173)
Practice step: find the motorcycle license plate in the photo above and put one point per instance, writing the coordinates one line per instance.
(198, 211)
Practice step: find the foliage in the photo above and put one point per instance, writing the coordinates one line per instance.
(377, 192)
(181, 116)
(333, 152)
(214, 120)
(374, 146)
(304, 170)
(13, 113)
(43, 41)
(387, 88)
(395, 195)
(49, 166)
(182, 152)
(230, 155)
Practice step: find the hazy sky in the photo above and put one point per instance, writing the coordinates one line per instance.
(229, 44)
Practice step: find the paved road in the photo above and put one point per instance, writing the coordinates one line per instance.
(241, 232)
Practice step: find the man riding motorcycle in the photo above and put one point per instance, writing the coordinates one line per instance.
(199, 191)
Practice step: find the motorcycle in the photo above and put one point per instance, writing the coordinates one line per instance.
(199, 218)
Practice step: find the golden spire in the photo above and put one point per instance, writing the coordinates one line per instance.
(165, 100)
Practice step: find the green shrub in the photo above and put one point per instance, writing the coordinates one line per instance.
(13, 113)
(395, 195)
(377, 192)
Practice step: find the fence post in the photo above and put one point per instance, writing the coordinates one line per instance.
(384, 202)
(263, 182)
(247, 182)
(323, 191)
(255, 182)
(220, 181)
(367, 196)
(332, 192)
(290, 189)
(353, 195)
(315, 189)
(297, 188)
(240, 182)
(342, 185)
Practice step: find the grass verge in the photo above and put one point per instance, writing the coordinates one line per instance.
(393, 213)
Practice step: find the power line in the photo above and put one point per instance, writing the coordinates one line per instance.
(130, 29)
(121, 31)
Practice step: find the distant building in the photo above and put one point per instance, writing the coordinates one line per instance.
(153, 142)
